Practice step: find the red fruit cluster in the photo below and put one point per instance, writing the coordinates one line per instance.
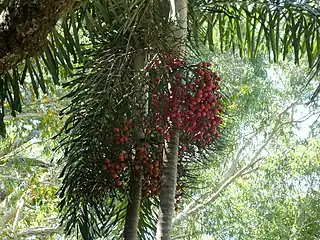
(147, 165)
(184, 98)
(121, 134)
(115, 168)
(181, 97)
(191, 102)
(141, 160)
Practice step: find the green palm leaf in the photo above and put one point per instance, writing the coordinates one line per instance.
(284, 29)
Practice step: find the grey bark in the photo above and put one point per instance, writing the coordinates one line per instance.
(169, 175)
(168, 187)
(24, 26)
(133, 207)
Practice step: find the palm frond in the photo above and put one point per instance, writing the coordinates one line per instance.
(280, 29)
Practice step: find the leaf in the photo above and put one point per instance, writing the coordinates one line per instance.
(90, 27)
(2, 98)
(210, 33)
(307, 42)
(40, 76)
(62, 52)
(272, 37)
(259, 39)
(50, 62)
(33, 82)
(68, 40)
(278, 34)
(75, 35)
(315, 94)
(16, 106)
(239, 34)
(249, 33)
(286, 41)
(24, 73)
(103, 11)
(221, 31)
(295, 39)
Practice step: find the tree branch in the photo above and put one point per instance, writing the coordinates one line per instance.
(39, 231)
(184, 214)
(25, 115)
(7, 217)
(8, 177)
(24, 26)
(18, 212)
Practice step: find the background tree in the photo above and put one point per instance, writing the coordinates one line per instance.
(29, 180)
(258, 141)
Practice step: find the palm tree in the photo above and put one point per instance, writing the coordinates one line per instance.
(99, 39)
(169, 175)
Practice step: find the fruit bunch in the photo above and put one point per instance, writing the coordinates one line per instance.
(180, 97)
(187, 99)
(143, 160)
(147, 164)
(115, 168)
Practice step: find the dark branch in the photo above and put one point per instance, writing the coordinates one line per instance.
(24, 26)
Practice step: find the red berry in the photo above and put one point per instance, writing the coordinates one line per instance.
(118, 182)
(179, 75)
(156, 80)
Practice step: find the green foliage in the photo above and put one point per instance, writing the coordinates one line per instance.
(94, 47)
(107, 90)
(280, 29)
(278, 202)
(28, 178)
(290, 159)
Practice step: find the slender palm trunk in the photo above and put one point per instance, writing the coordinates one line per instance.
(168, 187)
(133, 207)
(169, 173)
(132, 216)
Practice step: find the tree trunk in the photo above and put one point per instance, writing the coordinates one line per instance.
(168, 187)
(169, 174)
(132, 216)
(24, 26)
(133, 207)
